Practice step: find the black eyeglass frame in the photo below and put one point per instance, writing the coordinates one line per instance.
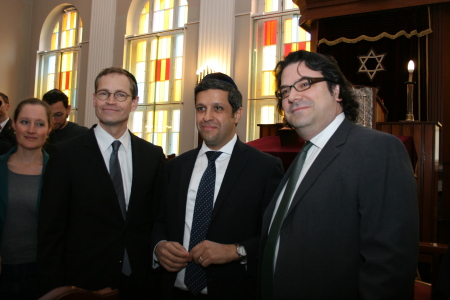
(109, 94)
(311, 81)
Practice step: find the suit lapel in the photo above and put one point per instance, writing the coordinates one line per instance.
(235, 167)
(98, 167)
(326, 156)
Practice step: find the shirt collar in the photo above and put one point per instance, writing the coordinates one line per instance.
(104, 139)
(228, 148)
(322, 138)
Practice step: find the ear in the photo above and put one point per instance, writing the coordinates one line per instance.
(13, 124)
(336, 92)
(134, 103)
(94, 99)
(68, 109)
(237, 115)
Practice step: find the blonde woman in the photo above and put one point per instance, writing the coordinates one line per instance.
(21, 172)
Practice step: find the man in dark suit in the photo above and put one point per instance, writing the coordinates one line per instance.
(6, 131)
(224, 258)
(347, 228)
(94, 232)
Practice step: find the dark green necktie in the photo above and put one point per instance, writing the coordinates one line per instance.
(267, 270)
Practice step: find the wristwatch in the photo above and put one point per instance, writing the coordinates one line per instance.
(241, 251)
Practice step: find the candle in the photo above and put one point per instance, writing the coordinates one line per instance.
(410, 70)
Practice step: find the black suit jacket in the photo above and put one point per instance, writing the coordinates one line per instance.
(351, 231)
(82, 234)
(248, 185)
(7, 134)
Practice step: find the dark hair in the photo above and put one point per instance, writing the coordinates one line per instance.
(54, 96)
(5, 98)
(330, 70)
(33, 101)
(118, 70)
(220, 81)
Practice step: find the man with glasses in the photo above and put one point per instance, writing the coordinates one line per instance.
(62, 128)
(343, 223)
(6, 131)
(97, 200)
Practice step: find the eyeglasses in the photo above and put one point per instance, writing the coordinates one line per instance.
(301, 85)
(120, 96)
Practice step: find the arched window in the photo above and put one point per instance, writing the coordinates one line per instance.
(276, 34)
(155, 57)
(58, 55)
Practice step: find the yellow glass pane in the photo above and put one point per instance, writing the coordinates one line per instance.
(146, 8)
(267, 84)
(143, 24)
(288, 31)
(177, 91)
(56, 29)
(271, 5)
(152, 71)
(65, 22)
(141, 51)
(166, 20)
(54, 44)
(73, 20)
(308, 46)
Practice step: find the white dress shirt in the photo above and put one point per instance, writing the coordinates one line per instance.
(319, 141)
(3, 124)
(199, 168)
(105, 140)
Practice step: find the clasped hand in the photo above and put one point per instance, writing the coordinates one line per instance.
(174, 257)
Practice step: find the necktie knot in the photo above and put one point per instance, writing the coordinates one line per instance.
(115, 145)
(213, 155)
(307, 146)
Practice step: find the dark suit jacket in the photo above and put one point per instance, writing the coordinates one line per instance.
(249, 183)
(7, 134)
(82, 234)
(351, 231)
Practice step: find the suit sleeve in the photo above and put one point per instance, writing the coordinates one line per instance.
(389, 235)
(53, 212)
(275, 174)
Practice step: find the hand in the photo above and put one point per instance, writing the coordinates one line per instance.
(172, 256)
(207, 253)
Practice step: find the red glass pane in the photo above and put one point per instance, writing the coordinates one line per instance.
(270, 33)
(163, 69)
(64, 80)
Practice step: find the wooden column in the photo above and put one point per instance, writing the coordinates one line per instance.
(426, 143)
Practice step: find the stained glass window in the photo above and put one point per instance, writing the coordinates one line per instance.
(277, 34)
(156, 60)
(58, 62)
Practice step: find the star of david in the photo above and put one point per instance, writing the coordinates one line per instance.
(371, 55)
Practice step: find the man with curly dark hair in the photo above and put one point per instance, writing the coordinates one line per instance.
(343, 223)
